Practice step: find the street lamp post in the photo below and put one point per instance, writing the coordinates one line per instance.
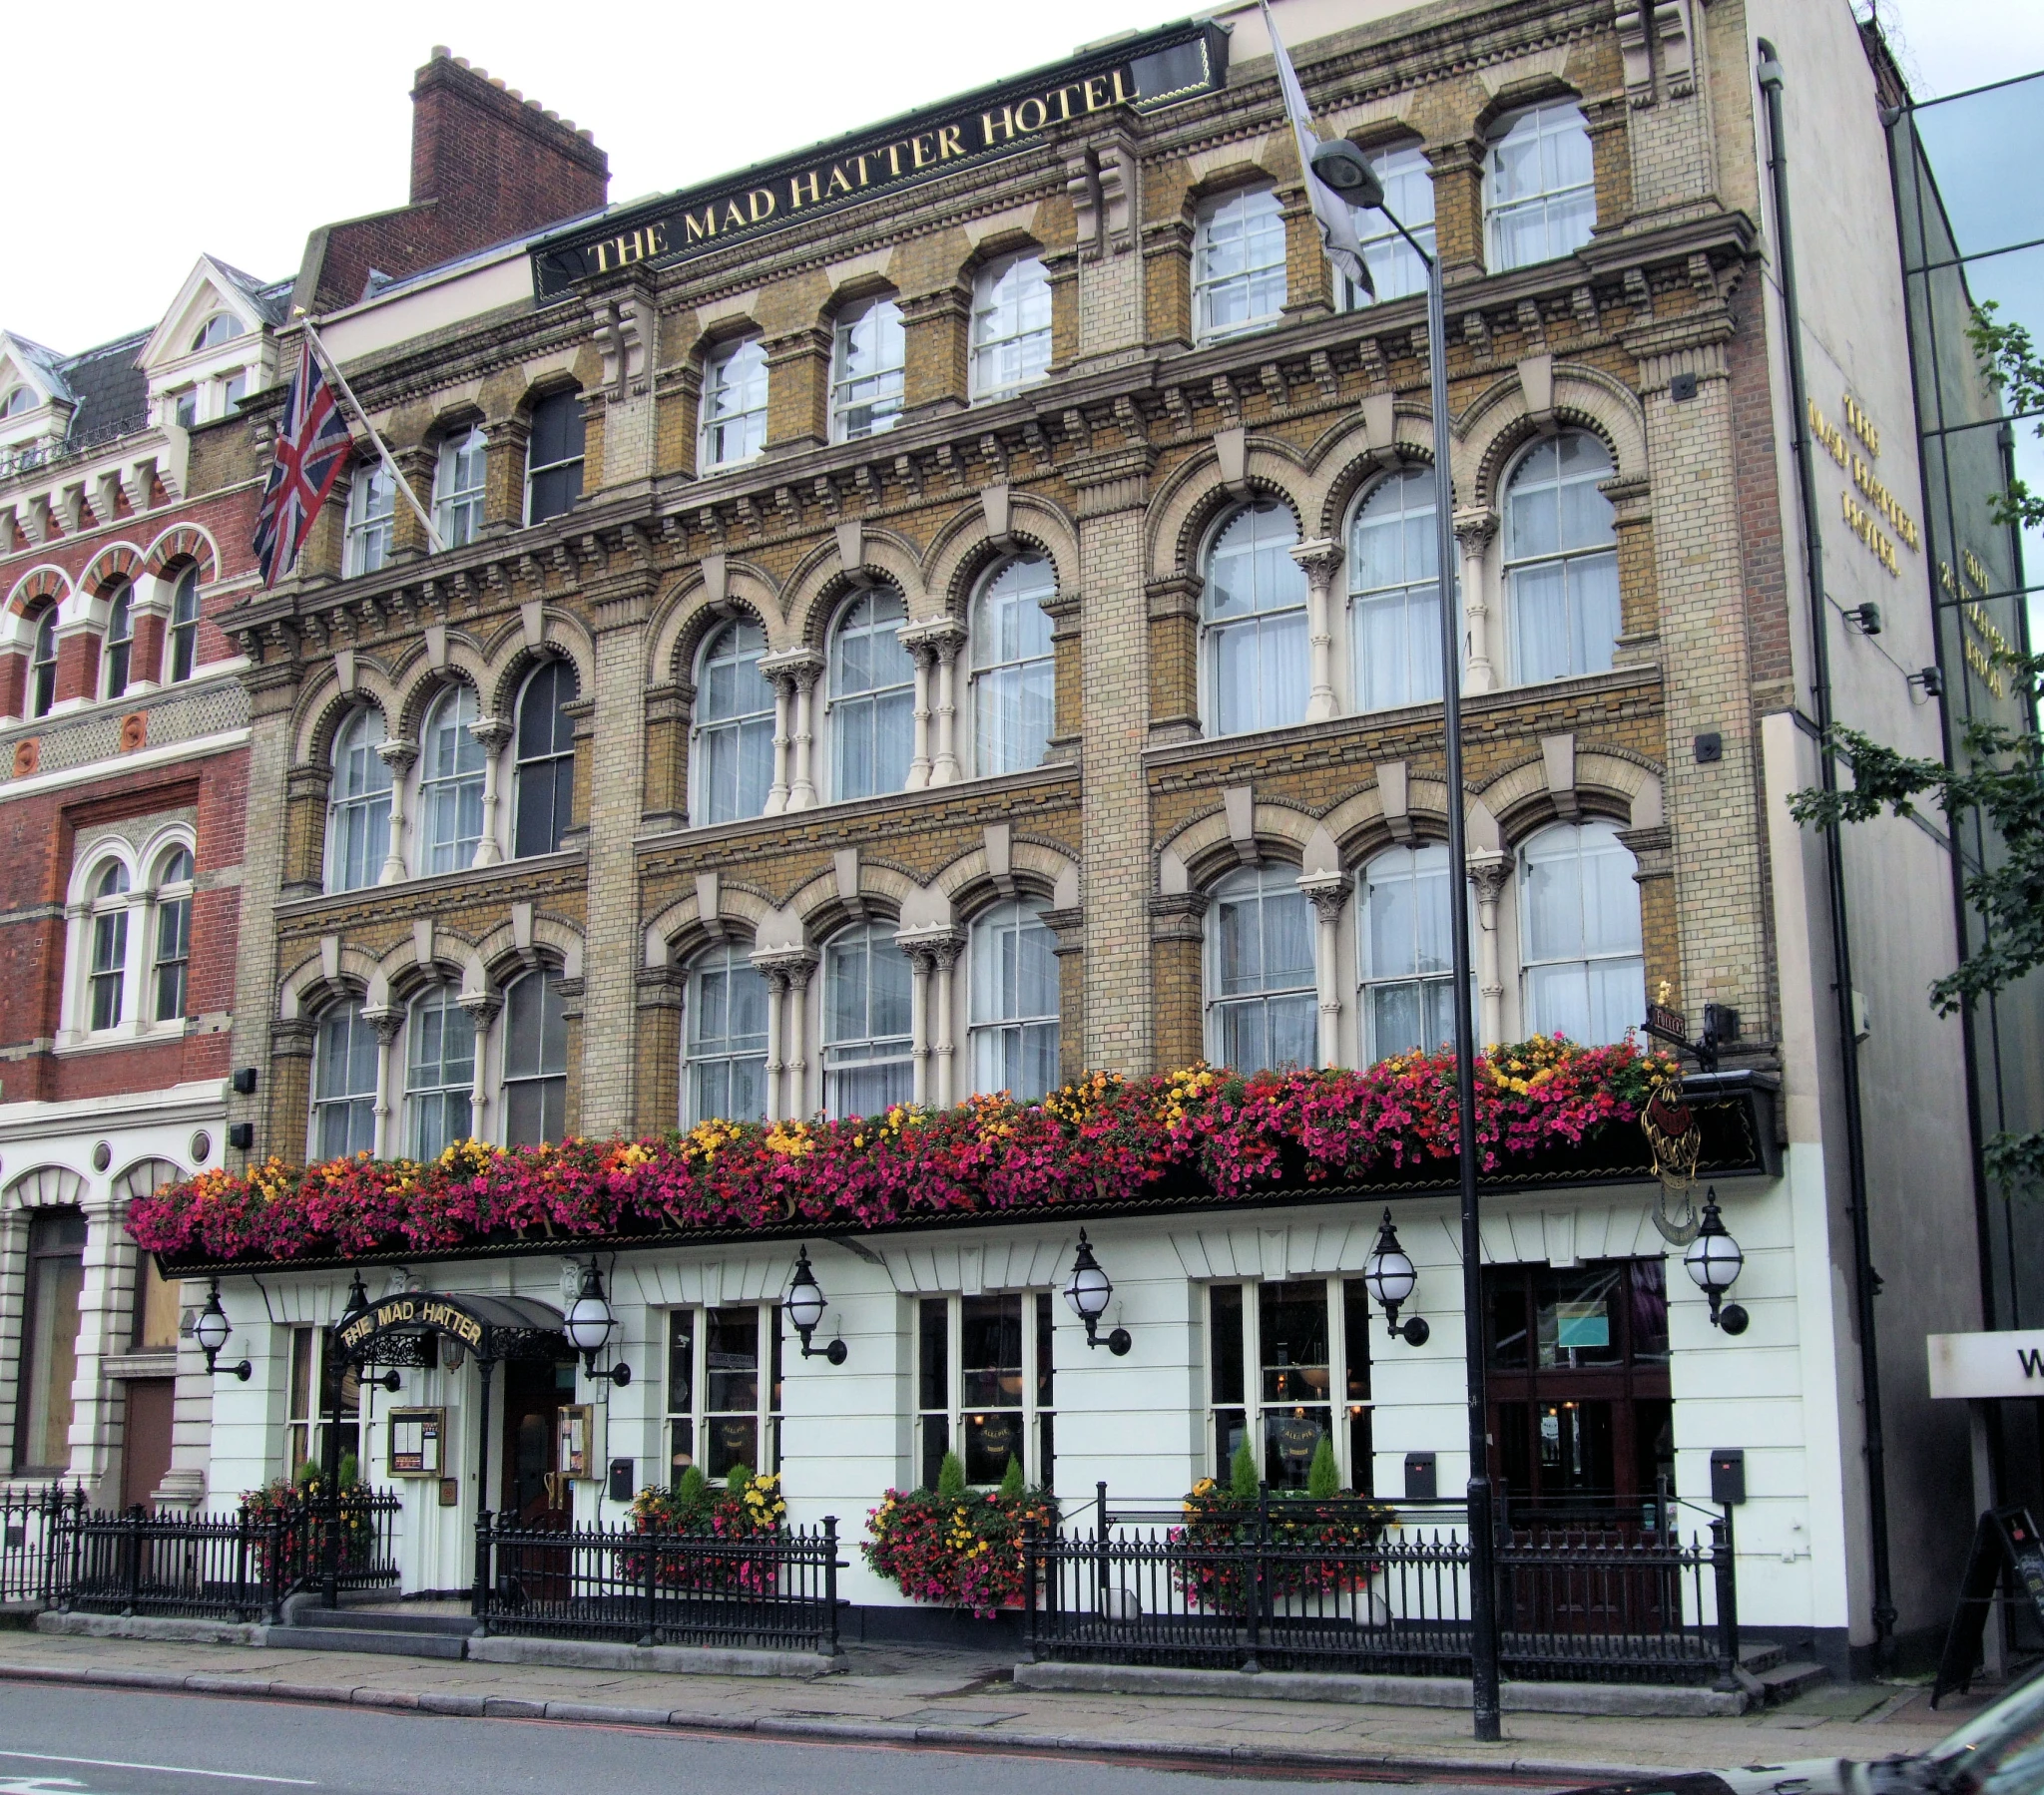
(1341, 167)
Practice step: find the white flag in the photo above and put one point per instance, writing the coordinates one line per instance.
(1331, 212)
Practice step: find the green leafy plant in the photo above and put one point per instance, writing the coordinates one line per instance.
(958, 1545)
(952, 1478)
(1012, 1485)
(1323, 1481)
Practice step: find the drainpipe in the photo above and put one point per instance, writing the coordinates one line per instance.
(1866, 1282)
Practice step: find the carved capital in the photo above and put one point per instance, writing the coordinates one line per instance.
(1487, 873)
(1474, 529)
(1320, 558)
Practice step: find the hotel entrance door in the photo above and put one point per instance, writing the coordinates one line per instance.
(533, 1490)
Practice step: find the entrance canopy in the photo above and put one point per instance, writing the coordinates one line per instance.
(405, 1330)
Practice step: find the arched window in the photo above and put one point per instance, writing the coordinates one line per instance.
(1585, 967)
(545, 794)
(372, 511)
(439, 1072)
(1013, 980)
(217, 329)
(345, 1083)
(1406, 960)
(1237, 265)
(172, 971)
(1539, 188)
(18, 400)
(1394, 269)
(359, 830)
(868, 1065)
(1010, 326)
(553, 457)
(120, 642)
(109, 976)
(734, 427)
(450, 784)
(1013, 685)
(727, 1005)
(733, 726)
(458, 487)
(1261, 1001)
(42, 664)
(872, 697)
(184, 644)
(1561, 560)
(1395, 594)
(535, 1062)
(1254, 610)
(868, 354)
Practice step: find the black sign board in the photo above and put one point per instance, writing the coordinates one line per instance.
(2005, 1541)
(1668, 1025)
(1158, 69)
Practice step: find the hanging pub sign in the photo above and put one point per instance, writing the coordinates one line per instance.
(1145, 72)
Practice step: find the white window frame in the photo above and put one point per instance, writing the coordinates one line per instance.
(844, 706)
(1395, 271)
(1342, 1408)
(173, 916)
(427, 1084)
(1632, 954)
(1547, 124)
(180, 640)
(1423, 641)
(1285, 614)
(358, 1103)
(306, 1416)
(110, 945)
(116, 646)
(42, 668)
(467, 773)
(1572, 560)
(371, 519)
(727, 960)
(461, 481)
(1370, 979)
(546, 982)
(349, 801)
(1034, 1411)
(998, 1032)
(731, 428)
(727, 645)
(1270, 883)
(696, 1412)
(1011, 326)
(1253, 217)
(873, 1050)
(876, 389)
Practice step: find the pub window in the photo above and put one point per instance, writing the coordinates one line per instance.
(1252, 622)
(372, 516)
(1263, 1001)
(440, 1071)
(872, 696)
(733, 726)
(545, 780)
(42, 664)
(1288, 1368)
(154, 1327)
(458, 487)
(1578, 1387)
(183, 643)
(1406, 971)
(345, 1083)
(49, 1337)
(120, 642)
(983, 1386)
(535, 1062)
(317, 1379)
(867, 1063)
(734, 404)
(1237, 265)
(1010, 326)
(1561, 560)
(553, 457)
(867, 359)
(1579, 904)
(1013, 975)
(1395, 594)
(724, 1389)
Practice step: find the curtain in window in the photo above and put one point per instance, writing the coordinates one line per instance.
(726, 1038)
(1406, 960)
(1540, 190)
(872, 697)
(1396, 595)
(545, 794)
(1561, 560)
(440, 1071)
(535, 1062)
(1013, 683)
(1239, 264)
(459, 487)
(360, 826)
(1585, 968)
(868, 1067)
(1394, 268)
(450, 784)
(1010, 326)
(1255, 622)
(1263, 1001)
(371, 508)
(733, 726)
(345, 1085)
(734, 427)
(553, 457)
(1013, 978)
(868, 356)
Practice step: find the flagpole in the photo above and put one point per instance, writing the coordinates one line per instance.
(326, 361)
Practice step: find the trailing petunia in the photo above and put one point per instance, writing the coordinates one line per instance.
(1100, 1140)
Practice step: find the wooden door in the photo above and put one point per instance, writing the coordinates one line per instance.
(534, 1395)
(146, 1440)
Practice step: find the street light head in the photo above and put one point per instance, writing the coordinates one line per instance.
(1341, 167)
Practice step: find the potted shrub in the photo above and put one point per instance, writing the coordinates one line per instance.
(744, 1507)
(955, 1545)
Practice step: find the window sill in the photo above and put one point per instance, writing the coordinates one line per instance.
(128, 1034)
(472, 876)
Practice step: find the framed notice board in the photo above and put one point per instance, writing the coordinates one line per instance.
(414, 1441)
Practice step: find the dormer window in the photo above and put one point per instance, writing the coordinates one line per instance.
(217, 329)
(231, 391)
(185, 408)
(18, 400)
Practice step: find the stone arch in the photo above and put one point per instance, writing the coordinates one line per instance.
(528, 940)
(1209, 846)
(827, 902)
(1562, 784)
(972, 884)
(338, 973)
(117, 561)
(455, 417)
(517, 649)
(1192, 502)
(145, 1177)
(1506, 416)
(403, 972)
(38, 583)
(685, 928)
(45, 1187)
(700, 601)
(1001, 525)
(825, 580)
(182, 542)
(1351, 458)
(423, 684)
(327, 702)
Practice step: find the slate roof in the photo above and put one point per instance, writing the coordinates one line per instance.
(112, 392)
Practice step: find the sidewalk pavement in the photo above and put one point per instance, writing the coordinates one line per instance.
(908, 1695)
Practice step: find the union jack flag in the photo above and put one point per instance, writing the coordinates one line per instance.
(312, 448)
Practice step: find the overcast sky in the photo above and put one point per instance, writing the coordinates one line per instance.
(142, 141)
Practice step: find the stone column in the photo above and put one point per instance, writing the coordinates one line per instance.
(783, 699)
(800, 971)
(1327, 892)
(1322, 560)
(387, 1023)
(935, 646)
(925, 653)
(482, 1008)
(946, 951)
(920, 962)
(948, 769)
(398, 756)
(104, 1311)
(776, 1035)
(1488, 870)
(1473, 533)
(800, 668)
(492, 735)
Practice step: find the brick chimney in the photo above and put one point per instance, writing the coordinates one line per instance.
(487, 164)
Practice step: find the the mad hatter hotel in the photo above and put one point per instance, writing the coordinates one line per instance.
(953, 612)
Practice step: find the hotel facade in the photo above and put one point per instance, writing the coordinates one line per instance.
(956, 612)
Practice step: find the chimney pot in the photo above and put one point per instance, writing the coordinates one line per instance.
(441, 53)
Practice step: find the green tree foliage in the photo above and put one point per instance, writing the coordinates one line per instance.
(1323, 1481)
(952, 1478)
(1243, 1483)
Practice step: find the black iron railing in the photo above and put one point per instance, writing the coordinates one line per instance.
(774, 1592)
(229, 1566)
(1250, 1591)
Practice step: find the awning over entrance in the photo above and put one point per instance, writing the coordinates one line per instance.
(405, 1330)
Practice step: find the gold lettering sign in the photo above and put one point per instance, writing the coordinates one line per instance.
(412, 1311)
(1143, 74)
(1885, 502)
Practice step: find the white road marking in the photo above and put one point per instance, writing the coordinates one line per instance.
(239, 1776)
